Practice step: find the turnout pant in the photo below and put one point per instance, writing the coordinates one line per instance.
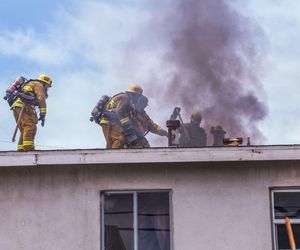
(27, 127)
(115, 138)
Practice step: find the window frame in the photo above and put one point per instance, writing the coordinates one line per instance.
(274, 221)
(135, 212)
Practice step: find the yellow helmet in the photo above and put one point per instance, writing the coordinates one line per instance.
(135, 88)
(217, 129)
(46, 79)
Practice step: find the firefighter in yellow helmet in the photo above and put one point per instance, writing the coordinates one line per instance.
(32, 94)
(218, 133)
(117, 123)
(144, 124)
(191, 134)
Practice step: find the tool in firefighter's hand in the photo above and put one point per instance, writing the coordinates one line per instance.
(290, 233)
(176, 111)
(186, 133)
(18, 123)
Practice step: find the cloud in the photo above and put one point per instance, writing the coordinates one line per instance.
(81, 50)
(92, 48)
(28, 45)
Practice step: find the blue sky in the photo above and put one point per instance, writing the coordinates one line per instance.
(83, 45)
(33, 13)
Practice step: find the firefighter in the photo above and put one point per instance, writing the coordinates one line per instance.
(144, 124)
(191, 134)
(36, 88)
(117, 123)
(219, 134)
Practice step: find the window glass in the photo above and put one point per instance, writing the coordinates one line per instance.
(287, 204)
(118, 219)
(153, 221)
(282, 236)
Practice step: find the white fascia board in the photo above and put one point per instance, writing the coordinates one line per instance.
(152, 155)
(17, 159)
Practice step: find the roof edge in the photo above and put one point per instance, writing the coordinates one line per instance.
(151, 155)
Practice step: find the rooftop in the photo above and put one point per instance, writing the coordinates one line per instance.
(151, 155)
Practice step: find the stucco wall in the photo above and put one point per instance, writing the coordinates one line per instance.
(215, 206)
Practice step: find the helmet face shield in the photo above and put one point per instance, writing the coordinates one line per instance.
(46, 92)
(141, 103)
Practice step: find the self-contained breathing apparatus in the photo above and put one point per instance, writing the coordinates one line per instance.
(14, 91)
(99, 109)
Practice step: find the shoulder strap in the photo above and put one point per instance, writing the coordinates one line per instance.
(24, 84)
(116, 95)
(31, 80)
(113, 97)
(28, 81)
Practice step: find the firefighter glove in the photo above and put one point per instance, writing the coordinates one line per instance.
(42, 118)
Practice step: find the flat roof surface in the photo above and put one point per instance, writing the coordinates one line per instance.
(151, 155)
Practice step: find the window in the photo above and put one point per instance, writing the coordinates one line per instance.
(136, 220)
(285, 203)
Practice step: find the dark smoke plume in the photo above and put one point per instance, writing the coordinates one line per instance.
(215, 58)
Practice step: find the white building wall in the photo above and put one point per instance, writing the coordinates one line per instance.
(215, 206)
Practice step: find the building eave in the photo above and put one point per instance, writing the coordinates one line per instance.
(152, 155)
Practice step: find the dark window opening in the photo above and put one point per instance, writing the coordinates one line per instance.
(136, 220)
(118, 221)
(282, 236)
(285, 203)
(153, 221)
